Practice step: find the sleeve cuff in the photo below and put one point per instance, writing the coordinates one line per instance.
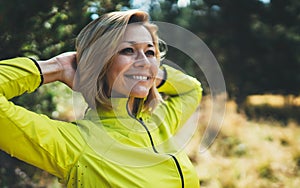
(40, 70)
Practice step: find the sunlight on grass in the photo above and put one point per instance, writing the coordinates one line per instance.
(249, 153)
(273, 100)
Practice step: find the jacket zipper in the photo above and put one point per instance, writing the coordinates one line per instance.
(154, 149)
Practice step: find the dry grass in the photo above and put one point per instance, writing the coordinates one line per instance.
(248, 153)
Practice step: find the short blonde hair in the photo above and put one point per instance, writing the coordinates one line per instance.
(96, 44)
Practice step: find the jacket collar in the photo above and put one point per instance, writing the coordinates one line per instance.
(118, 117)
(119, 110)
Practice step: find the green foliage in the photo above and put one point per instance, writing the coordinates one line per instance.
(40, 101)
(41, 29)
(256, 44)
(14, 173)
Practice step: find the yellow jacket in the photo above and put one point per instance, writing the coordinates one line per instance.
(105, 148)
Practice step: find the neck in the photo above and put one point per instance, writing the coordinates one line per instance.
(135, 105)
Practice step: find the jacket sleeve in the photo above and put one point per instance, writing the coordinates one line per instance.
(184, 95)
(33, 138)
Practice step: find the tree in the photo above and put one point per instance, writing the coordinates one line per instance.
(255, 43)
(41, 29)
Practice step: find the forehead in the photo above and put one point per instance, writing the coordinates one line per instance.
(137, 33)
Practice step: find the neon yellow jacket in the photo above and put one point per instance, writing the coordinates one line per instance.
(105, 149)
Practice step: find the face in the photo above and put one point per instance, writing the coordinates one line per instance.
(134, 67)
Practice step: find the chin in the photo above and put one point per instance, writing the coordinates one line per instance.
(139, 94)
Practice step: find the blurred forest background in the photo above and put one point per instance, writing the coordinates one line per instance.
(257, 45)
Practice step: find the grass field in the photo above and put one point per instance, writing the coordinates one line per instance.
(261, 153)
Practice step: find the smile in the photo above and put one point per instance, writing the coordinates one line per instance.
(138, 77)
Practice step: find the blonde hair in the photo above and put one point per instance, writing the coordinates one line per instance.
(96, 44)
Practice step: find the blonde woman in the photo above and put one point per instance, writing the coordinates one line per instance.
(125, 138)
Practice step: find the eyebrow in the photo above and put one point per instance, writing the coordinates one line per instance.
(134, 42)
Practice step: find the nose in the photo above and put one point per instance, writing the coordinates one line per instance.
(141, 60)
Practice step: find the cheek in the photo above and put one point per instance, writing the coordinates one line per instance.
(113, 78)
(154, 67)
(115, 72)
(121, 63)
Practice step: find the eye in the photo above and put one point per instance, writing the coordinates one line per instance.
(126, 51)
(150, 53)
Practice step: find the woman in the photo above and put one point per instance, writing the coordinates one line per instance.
(125, 139)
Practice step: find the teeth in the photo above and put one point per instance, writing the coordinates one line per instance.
(139, 77)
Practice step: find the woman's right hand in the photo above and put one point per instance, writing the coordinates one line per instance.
(59, 68)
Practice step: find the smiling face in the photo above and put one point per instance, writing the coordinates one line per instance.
(134, 67)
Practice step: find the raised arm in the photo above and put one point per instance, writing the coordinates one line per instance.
(59, 68)
(184, 94)
(31, 137)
